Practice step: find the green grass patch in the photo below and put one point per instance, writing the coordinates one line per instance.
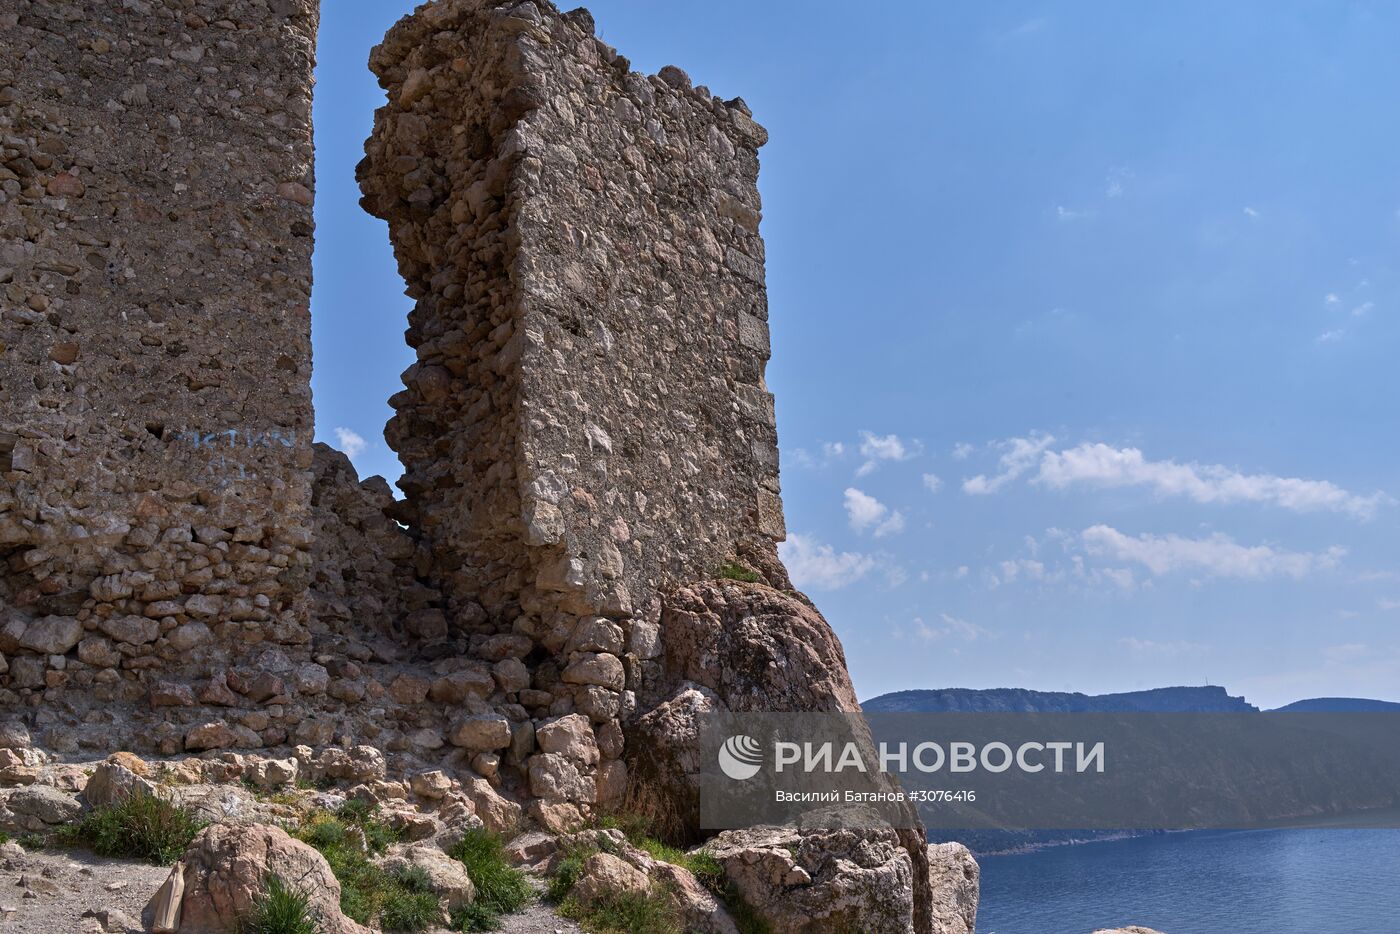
(141, 827)
(707, 870)
(630, 913)
(501, 889)
(281, 910)
(397, 901)
(731, 571)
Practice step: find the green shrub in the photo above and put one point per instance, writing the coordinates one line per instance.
(501, 889)
(397, 901)
(707, 870)
(567, 873)
(281, 910)
(733, 571)
(141, 827)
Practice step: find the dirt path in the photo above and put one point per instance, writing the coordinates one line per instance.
(48, 892)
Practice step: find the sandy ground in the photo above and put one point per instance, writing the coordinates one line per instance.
(58, 892)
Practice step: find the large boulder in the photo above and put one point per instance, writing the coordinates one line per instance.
(113, 781)
(605, 877)
(37, 808)
(447, 878)
(227, 868)
(807, 882)
(757, 648)
(954, 879)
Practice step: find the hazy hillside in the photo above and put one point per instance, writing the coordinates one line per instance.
(1340, 705)
(1207, 699)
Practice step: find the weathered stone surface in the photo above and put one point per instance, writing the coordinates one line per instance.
(227, 867)
(39, 805)
(158, 384)
(112, 782)
(605, 877)
(598, 277)
(48, 635)
(447, 878)
(821, 880)
(481, 731)
(955, 879)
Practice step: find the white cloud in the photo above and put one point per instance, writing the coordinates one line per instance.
(866, 513)
(1327, 337)
(1385, 603)
(1216, 556)
(947, 626)
(351, 443)
(1147, 648)
(1332, 299)
(962, 451)
(815, 566)
(1360, 311)
(1069, 215)
(1018, 456)
(932, 483)
(1105, 467)
(1250, 212)
(875, 448)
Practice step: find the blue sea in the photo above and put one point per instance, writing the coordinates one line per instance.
(1319, 881)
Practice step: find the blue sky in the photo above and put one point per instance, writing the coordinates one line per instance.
(1084, 321)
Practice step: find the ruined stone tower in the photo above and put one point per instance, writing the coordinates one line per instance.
(155, 275)
(587, 422)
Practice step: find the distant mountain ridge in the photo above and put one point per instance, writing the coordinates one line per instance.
(1340, 705)
(1204, 699)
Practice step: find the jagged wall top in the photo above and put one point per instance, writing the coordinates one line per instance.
(587, 422)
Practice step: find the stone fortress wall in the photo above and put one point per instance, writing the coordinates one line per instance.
(586, 433)
(155, 279)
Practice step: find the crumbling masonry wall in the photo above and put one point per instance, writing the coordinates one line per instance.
(155, 277)
(587, 423)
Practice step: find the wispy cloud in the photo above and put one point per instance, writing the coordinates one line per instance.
(962, 451)
(868, 514)
(932, 482)
(817, 566)
(1105, 467)
(876, 448)
(1117, 182)
(1328, 337)
(1070, 215)
(828, 452)
(1216, 556)
(947, 626)
(1250, 213)
(350, 442)
(1018, 456)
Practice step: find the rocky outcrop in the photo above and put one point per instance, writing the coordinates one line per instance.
(954, 883)
(807, 882)
(227, 868)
